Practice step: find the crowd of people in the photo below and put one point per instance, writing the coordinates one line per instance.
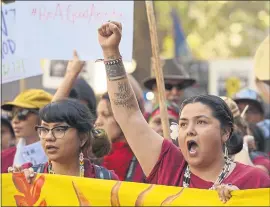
(221, 143)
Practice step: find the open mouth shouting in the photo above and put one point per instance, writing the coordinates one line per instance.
(192, 147)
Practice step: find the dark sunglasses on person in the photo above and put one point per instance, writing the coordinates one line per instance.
(58, 132)
(169, 86)
(22, 114)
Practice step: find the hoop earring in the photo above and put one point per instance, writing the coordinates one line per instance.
(81, 159)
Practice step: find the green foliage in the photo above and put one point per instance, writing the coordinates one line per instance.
(217, 29)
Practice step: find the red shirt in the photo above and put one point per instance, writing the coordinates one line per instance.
(89, 170)
(119, 161)
(261, 160)
(169, 170)
(7, 158)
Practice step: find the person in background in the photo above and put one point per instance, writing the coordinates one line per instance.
(205, 125)
(255, 111)
(121, 158)
(176, 79)
(7, 134)
(82, 91)
(154, 118)
(23, 112)
(244, 145)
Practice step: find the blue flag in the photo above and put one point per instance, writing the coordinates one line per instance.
(181, 48)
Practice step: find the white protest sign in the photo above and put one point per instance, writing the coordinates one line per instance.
(53, 29)
(226, 77)
(14, 68)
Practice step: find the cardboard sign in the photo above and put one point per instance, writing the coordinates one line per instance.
(14, 68)
(53, 29)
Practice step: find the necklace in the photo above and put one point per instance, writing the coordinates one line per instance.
(50, 170)
(222, 175)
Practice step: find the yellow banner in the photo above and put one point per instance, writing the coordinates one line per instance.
(59, 190)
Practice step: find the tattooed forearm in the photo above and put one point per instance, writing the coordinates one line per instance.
(128, 103)
(116, 71)
(124, 97)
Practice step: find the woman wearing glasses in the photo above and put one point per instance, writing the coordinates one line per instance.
(70, 141)
(23, 112)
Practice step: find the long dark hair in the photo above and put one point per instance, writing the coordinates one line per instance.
(220, 109)
(78, 116)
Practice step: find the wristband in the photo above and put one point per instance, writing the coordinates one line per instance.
(113, 62)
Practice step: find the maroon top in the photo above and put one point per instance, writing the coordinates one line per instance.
(170, 168)
(119, 160)
(89, 170)
(261, 160)
(7, 158)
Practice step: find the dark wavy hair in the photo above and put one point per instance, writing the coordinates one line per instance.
(78, 116)
(220, 109)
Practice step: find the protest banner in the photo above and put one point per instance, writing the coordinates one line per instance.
(59, 190)
(13, 67)
(55, 28)
(227, 77)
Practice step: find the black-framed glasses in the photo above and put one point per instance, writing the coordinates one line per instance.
(169, 86)
(21, 114)
(58, 132)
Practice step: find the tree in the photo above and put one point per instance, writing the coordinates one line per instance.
(217, 29)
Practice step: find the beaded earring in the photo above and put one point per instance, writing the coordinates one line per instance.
(81, 159)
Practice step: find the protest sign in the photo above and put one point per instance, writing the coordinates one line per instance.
(59, 190)
(55, 70)
(13, 67)
(53, 29)
(227, 77)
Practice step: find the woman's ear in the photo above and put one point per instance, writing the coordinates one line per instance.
(226, 134)
(84, 138)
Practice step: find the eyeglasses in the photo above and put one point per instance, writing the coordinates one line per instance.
(21, 114)
(169, 86)
(57, 132)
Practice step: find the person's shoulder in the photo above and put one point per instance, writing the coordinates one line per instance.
(251, 171)
(167, 143)
(168, 147)
(8, 152)
(251, 177)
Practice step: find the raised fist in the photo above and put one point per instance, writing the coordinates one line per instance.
(109, 36)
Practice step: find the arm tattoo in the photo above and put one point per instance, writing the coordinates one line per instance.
(124, 97)
(116, 71)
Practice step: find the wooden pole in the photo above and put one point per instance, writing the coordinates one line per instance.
(22, 85)
(157, 68)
